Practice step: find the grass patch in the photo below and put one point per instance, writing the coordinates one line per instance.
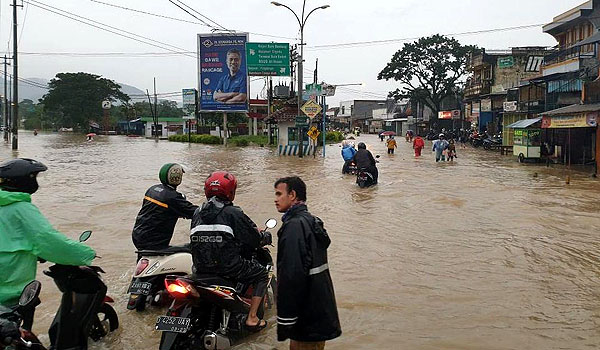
(206, 139)
(246, 140)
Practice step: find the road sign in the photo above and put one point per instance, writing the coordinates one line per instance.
(270, 59)
(506, 62)
(313, 133)
(311, 108)
(301, 121)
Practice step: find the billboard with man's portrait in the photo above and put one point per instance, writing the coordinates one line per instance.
(222, 72)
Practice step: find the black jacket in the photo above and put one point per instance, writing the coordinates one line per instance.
(306, 308)
(155, 222)
(364, 159)
(222, 235)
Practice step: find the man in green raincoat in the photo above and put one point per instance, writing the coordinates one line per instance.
(25, 234)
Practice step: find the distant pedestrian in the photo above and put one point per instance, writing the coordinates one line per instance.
(451, 151)
(391, 145)
(306, 308)
(439, 146)
(410, 135)
(381, 136)
(418, 145)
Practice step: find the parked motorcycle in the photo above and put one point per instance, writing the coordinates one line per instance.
(208, 312)
(490, 142)
(84, 309)
(148, 281)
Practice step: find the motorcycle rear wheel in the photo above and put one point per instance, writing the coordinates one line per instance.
(106, 321)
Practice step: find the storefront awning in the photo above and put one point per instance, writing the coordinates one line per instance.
(574, 109)
(525, 123)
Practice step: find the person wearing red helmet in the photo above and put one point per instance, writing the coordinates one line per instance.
(223, 239)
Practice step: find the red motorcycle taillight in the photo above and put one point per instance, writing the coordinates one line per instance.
(180, 289)
(141, 266)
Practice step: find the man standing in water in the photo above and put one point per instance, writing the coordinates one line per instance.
(391, 145)
(439, 146)
(306, 308)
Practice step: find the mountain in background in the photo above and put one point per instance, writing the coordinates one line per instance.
(34, 88)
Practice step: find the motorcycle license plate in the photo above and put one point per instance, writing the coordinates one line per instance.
(140, 288)
(172, 324)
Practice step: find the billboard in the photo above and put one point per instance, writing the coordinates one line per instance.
(222, 72)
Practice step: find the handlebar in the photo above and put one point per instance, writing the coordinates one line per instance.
(266, 238)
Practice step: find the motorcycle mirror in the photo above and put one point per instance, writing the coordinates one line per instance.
(85, 235)
(30, 293)
(377, 156)
(271, 223)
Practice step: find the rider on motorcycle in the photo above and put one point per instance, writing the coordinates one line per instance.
(348, 152)
(26, 233)
(161, 209)
(223, 239)
(365, 160)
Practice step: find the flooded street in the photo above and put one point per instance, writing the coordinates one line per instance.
(484, 253)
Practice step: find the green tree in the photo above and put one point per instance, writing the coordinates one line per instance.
(33, 114)
(165, 109)
(76, 98)
(214, 118)
(429, 70)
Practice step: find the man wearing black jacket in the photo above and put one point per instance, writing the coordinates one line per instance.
(306, 308)
(364, 159)
(161, 208)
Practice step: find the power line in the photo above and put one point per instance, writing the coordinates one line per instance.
(147, 13)
(191, 14)
(191, 8)
(117, 31)
(23, 24)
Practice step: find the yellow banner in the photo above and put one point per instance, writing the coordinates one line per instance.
(569, 121)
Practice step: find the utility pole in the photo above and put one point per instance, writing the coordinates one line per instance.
(155, 111)
(15, 116)
(5, 103)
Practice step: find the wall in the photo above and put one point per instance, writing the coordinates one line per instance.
(283, 132)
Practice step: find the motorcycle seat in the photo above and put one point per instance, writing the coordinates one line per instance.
(167, 251)
(213, 280)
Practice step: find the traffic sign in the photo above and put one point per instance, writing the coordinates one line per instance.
(301, 121)
(311, 108)
(313, 133)
(268, 59)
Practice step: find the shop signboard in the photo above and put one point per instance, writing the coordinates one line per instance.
(506, 62)
(456, 114)
(580, 120)
(268, 59)
(223, 77)
(509, 106)
(486, 105)
(445, 115)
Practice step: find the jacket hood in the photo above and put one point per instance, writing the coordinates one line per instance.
(346, 146)
(316, 223)
(7, 198)
(211, 208)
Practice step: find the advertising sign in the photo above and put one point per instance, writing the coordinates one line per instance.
(569, 121)
(189, 99)
(268, 59)
(222, 73)
(311, 108)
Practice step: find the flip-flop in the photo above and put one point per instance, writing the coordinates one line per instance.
(258, 327)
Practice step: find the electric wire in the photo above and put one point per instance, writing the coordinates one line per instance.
(23, 25)
(116, 31)
(148, 13)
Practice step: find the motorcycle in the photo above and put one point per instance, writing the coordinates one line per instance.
(488, 143)
(84, 309)
(148, 281)
(12, 335)
(350, 169)
(208, 312)
(364, 178)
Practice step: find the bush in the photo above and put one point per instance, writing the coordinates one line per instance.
(245, 140)
(206, 139)
(334, 136)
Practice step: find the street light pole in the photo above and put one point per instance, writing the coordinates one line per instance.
(301, 23)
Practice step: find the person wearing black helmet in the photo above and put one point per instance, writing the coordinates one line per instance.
(161, 208)
(26, 235)
(365, 160)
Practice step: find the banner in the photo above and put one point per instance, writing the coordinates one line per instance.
(222, 74)
(445, 115)
(588, 120)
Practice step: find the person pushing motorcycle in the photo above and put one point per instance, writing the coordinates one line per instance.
(223, 239)
(27, 235)
(161, 208)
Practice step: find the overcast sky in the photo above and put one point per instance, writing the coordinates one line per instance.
(346, 21)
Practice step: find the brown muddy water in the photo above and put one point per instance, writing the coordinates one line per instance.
(484, 253)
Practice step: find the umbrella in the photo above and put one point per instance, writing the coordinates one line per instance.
(90, 134)
(388, 133)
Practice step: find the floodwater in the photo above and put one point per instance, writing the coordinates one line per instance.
(484, 253)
